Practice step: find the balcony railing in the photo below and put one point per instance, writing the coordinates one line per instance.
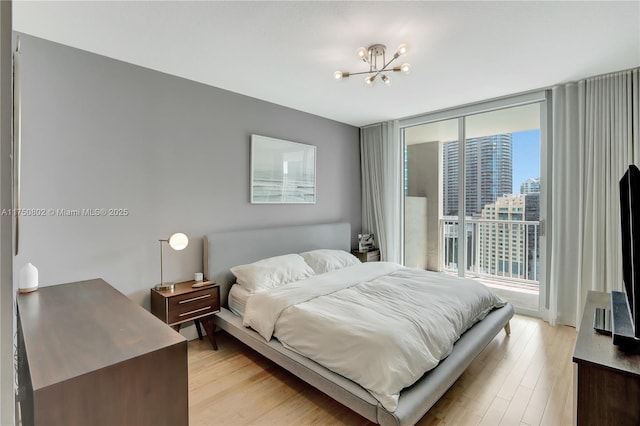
(505, 250)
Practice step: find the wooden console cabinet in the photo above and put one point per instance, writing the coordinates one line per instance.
(88, 355)
(608, 379)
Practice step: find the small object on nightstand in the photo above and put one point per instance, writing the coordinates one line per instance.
(372, 255)
(365, 242)
(186, 302)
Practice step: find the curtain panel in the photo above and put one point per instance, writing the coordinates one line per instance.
(595, 137)
(381, 166)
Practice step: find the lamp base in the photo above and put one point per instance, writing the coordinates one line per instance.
(165, 286)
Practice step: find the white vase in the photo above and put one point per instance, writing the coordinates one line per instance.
(28, 278)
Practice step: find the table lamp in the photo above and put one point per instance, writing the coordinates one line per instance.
(177, 241)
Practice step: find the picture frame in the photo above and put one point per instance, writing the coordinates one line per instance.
(365, 242)
(282, 172)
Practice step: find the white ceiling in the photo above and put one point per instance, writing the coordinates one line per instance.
(286, 52)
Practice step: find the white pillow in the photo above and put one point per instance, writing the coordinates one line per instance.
(271, 272)
(325, 260)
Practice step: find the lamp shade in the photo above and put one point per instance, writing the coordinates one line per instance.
(178, 241)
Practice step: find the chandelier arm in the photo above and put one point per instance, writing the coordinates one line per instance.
(389, 63)
(376, 72)
(364, 72)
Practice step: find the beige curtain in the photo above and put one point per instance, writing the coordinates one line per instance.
(381, 168)
(595, 137)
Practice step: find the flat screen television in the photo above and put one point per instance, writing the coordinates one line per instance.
(626, 305)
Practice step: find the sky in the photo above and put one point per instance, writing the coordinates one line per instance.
(526, 157)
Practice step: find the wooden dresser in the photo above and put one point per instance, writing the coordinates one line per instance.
(88, 355)
(608, 380)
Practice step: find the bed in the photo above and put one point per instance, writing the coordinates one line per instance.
(224, 250)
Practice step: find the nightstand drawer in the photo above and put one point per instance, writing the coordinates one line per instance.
(194, 304)
(367, 256)
(373, 256)
(194, 297)
(192, 312)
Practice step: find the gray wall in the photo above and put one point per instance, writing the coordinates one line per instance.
(423, 164)
(99, 133)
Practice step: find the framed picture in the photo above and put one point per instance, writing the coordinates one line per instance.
(282, 172)
(365, 242)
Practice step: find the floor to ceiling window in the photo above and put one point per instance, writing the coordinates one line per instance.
(473, 199)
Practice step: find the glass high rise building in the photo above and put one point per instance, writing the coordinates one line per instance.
(488, 168)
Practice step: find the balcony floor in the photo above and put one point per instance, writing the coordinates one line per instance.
(519, 294)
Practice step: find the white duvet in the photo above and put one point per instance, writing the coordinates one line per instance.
(379, 324)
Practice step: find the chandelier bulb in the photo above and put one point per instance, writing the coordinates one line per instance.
(338, 75)
(386, 80)
(402, 49)
(369, 80)
(362, 53)
(405, 68)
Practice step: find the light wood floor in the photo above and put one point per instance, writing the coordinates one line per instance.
(524, 379)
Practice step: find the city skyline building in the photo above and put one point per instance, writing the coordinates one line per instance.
(502, 248)
(506, 247)
(502, 229)
(530, 186)
(532, 214)
(488, 172)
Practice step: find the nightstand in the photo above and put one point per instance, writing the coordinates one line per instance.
(186, 303)
(367, 256)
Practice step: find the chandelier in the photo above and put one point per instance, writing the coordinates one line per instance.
(375, 56)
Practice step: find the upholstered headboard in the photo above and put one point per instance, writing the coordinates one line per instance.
(223, 250)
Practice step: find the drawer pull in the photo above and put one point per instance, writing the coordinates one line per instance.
(206, 308)
(194, 298)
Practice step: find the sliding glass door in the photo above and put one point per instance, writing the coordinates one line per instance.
(473, 199)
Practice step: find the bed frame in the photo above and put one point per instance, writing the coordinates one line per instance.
(224, 250)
